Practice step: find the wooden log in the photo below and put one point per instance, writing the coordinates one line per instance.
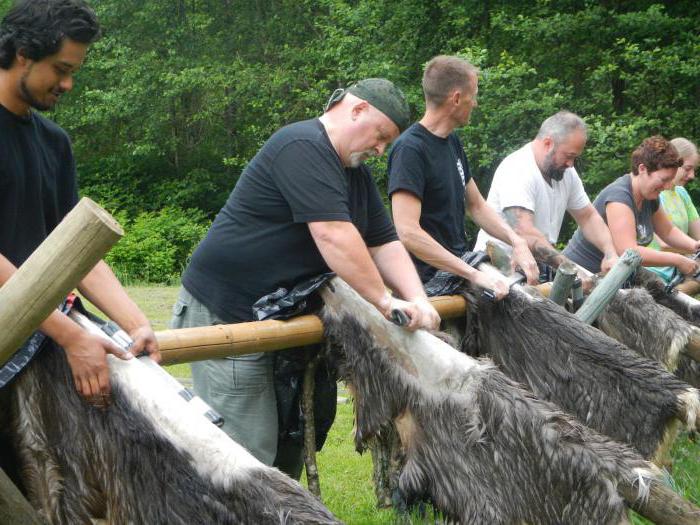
(54, 269)
(13, 507)
(212, 342)
(692, 349)
(662, 506)
(499, 257)
(563, 281)
(186, 345)
(608, 286)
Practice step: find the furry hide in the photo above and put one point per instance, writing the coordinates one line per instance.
(149, 458)
(477, 446)
(604, 384)
(687, 307)
(636, 320)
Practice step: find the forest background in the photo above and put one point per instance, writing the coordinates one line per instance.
(178, 95)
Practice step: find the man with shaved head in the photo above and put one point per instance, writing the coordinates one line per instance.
(304, 205)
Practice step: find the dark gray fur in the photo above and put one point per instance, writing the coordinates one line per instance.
(637, 321)
(688, 370)
(80, 462)
(487, 452)
(602, 383)
(657, 288)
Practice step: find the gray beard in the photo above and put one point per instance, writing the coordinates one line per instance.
(358, 157)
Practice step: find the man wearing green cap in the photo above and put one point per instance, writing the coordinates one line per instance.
(304, 205)
(431, 187)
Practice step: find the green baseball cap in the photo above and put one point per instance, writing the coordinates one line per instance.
(382, 94)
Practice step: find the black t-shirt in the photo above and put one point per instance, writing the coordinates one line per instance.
(435, 170)
(37, 182)
(584, 253)
(260, 241)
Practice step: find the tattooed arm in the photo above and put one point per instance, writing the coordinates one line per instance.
(522, 221)
(492, 223)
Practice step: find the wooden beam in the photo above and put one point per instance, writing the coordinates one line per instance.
(13, 507)
(213, 342)
(607, 287)
(662, 506)
(692, 349)
(563, 281)
(55, 268)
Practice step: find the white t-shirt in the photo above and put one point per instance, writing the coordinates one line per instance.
(519, 182)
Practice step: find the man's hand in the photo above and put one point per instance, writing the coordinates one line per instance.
(523, 259)
(495, 284)
(145, 342)
(609, 260)
(87, 357)
(420, 312)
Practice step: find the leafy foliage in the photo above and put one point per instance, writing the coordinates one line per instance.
(157, 244)
(178, 95)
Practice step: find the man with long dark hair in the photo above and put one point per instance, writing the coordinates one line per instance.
(42, 45)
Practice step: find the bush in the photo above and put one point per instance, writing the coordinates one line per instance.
(157, 244)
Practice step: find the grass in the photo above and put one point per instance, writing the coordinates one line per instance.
(157, 303)
(346, 477)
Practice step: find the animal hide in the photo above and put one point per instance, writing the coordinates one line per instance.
(590, 375)
(686, 307)
(149, 458)
(636, 320)
(477, 446)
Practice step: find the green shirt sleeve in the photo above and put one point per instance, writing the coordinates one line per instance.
(689, 206)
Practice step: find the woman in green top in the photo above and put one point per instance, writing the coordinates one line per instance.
(680, 210)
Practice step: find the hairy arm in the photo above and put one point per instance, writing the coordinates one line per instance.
(522, 221)
(345, 253)
(397, 270)
(491, 222)
(86, 353)
(103, 289)
(406, 209)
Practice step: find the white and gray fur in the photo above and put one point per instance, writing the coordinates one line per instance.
(149, 458)
(686, 307)
(477, 446)
(636, 320)
(601, 382)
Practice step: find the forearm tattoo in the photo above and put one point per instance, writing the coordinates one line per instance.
(544, 253)
(514, 215)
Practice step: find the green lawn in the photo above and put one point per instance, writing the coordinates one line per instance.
(346, 477)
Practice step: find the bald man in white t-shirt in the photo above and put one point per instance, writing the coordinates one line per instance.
(535, 185)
